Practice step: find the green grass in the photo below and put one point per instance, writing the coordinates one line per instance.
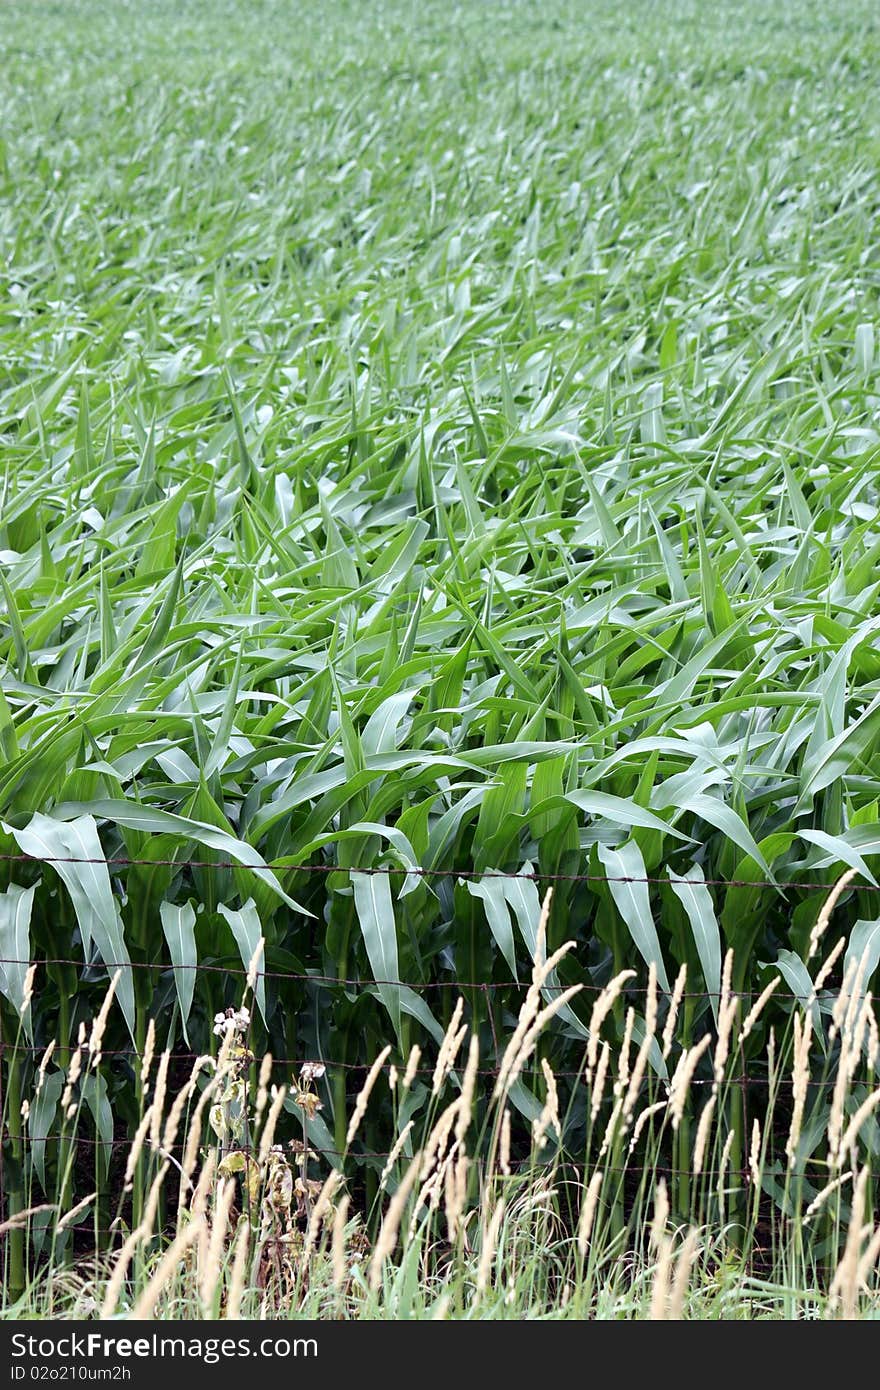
(439, 437)
(477, 1216)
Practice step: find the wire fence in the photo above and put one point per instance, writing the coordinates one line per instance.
(368, 982)
(412, 870)
(419, 871)
(320, 980)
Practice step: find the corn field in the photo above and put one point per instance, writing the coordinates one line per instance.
(439, 466)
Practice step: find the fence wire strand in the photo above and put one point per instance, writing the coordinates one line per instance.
(367, 983)
(418, 871)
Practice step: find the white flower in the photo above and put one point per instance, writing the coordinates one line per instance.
(311, 1071)
(231, 1022)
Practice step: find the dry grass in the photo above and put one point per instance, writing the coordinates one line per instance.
(257, 1235)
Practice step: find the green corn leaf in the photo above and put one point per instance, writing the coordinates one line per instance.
(152, 820)
(248, 932)
(839, 851)
(490, 891)
(522, 895)
(94, 1092)
(16, 907)
(799, 981)
(73, 848)
(633, 902)
(178, 923)
(41, 1121)
(621, 811)
(695, 898)
(863, 952)
(375, 913)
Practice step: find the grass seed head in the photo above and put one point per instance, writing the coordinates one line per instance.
(360, 1105)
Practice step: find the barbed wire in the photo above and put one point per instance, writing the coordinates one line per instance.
(356, 981)
(89, 1141)
(294, 1063)
(492, 1073)
(418, 871)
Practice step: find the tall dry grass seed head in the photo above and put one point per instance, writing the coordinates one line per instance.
(396, 1151)
(637, 1074)
(514, 1060)
(623, 1055)
(44, 1063)
(661, 1213)
(449, 1047)
(137, 1144)
(822, 1196)
(827, 909)
(340, 1263)
(549, 1116)
(755, 1167)
(238, 1277)
(468, 1089)
(360, 1105)
(412, 1066)
(846, 1150)
(845, 1284)
(587, 1216)
(800, 1079)
(159, 1098)
(147, 1056)
(489, 1247)
(322, 1209)
(703, 1130)
(672, 1012)
(660, 1286)
(267, 1133)
(100, 1023)
(681, 1276)
(151, 1205)
(388, 1232)
(721, 1177)
(601, 1009)
(457, 1175)
(827, 967)
(504, 1144)
(642, 1119)
(756, 1010)
(679, 1086)
(532, 1019)
(210, 1272)
(598, 1084)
